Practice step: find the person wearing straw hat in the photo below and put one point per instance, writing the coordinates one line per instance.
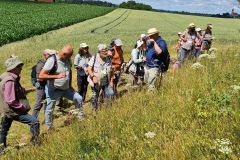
(157, 58)
(39, 83)
(136, 68)
(81, 63)
(14, 105)
(188, 38)
(207, 38)
(198, 43)
(179, 44)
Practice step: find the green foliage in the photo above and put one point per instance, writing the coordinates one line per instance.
(21, 20)
(134, 5)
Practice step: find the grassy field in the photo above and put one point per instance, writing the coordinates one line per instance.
(20, 20)
(193, 115)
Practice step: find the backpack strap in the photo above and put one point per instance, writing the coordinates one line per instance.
(94, 60)
(55, 65)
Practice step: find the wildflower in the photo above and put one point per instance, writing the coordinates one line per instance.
(74, 112)
(211, 56)
(235, 87)
(150, 134)
(223, 146)
(202, 56)
(196, 65)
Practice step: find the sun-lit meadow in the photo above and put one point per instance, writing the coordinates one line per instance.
(194, 114)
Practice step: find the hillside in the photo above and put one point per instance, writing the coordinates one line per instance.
(193, 115)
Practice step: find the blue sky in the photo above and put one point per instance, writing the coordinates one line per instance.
(196, 6)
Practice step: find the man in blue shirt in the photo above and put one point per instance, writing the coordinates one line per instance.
(156, 57)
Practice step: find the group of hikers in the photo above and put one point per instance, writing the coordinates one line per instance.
(52, 76)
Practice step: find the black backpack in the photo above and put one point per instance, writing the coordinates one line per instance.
(166, 60)
(34, 70)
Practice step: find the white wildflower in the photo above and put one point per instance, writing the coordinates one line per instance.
(150, 134)
(212, 56)
(223, 146)
(205, 55)
(196, 65)
(235, 87)
(74, 112)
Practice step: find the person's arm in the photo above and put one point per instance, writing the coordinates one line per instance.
(44, 75)
(10, 96)
(156, 46)
(90, 70)
(134, 57)
(183, 37)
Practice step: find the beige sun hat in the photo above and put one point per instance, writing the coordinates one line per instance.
(152, 31)
(210, 26)
(191, 25)
(83, 45)
(198, 29)
(12, 63)
(49, 51)
(179, 33)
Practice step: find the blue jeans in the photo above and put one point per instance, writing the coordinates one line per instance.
(26, 119)
(54, 94)
(107, 92)
(184, 54)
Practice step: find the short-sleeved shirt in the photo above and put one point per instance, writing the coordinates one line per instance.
(39, 67)
(81, 61)
(101, 67)
(190, 36)
(154, 60)
(62, 67)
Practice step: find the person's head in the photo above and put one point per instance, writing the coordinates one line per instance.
(199, 30)
(66, 52)
(103, 51)
(83, 49)
(14, 65)
(47, 53)
(209, 26)
(153, 33)
(191, 27)
(117, 43)
(140, 45)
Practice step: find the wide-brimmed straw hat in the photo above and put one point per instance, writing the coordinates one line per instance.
(191, 25)
(152, 31)
(12, 63)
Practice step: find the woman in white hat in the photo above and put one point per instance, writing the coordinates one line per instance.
(207, 38)
(136, 66)
(81, 64)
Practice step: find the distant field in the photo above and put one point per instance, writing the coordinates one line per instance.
(19, 20)
(190, 114)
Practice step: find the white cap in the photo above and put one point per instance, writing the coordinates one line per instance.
(198, 29)
(102, 47)
(142, 35)
(139, 43)
(83, 45)
(118, 42)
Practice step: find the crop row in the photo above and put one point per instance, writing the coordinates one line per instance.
(20, 20)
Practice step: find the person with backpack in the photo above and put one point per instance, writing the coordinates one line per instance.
(157, 57)
(100, 75)
(59, 83)
(136, 68)
(39, 83)
(117, 61)
(198, 43)
(81, 63)
(14, 104)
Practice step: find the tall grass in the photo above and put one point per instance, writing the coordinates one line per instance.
(191, 113)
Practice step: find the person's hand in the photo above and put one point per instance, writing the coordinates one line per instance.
(144, 59)
(60, 75)
(95, 81)
(152, 40)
